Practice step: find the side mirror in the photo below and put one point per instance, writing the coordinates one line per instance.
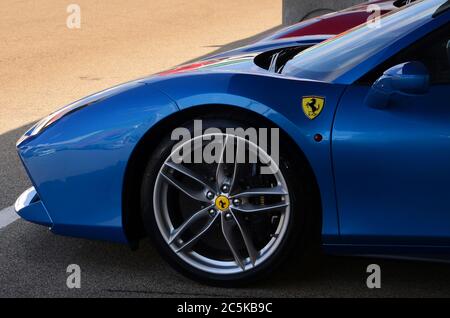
(411, 78)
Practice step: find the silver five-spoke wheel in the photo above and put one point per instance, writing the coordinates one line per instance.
(224, 217)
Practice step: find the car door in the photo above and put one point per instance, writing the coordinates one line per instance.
(392, 165)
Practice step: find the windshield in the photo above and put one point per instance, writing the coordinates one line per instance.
(330, 60)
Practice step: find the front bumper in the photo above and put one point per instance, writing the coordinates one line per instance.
(30, 207)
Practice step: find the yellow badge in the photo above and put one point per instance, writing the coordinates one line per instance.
(313, 106)
(222, 203)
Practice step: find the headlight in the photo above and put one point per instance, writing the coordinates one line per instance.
(52, 118)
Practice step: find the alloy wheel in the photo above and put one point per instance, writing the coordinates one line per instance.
(222, 218)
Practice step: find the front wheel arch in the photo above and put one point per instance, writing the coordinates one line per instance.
(131, 216)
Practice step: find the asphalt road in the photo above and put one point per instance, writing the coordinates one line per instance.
(33, 263)
(44, 65)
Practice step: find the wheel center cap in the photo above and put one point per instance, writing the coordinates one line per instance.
(222, 203)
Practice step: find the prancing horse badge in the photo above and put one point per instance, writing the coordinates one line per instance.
(313, 106)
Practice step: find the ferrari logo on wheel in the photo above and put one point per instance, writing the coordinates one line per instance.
(313, 106)
(222, 203)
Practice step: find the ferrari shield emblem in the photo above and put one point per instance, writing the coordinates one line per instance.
(313, 106)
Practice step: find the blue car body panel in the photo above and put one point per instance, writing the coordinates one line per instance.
(78, 165)
(392, 168)
(371, 201)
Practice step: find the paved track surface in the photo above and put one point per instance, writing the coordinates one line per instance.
(44, 65)
(33, 263)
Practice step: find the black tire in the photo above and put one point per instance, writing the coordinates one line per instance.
(298, 183)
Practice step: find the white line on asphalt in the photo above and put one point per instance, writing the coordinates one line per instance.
(8, 216)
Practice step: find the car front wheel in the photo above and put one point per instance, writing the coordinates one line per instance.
(223, 221)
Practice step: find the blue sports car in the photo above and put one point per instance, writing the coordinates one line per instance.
(352, 152)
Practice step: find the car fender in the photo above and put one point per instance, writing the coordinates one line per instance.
(77, 165)
(276, 98)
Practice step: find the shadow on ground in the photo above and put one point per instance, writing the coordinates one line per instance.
(37, 267)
